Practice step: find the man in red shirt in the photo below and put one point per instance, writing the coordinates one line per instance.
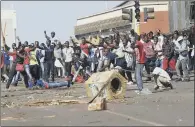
(140, 61)
(84, 48)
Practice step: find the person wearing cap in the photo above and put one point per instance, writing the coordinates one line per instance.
(182, 61)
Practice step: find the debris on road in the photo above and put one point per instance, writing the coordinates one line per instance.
(82, 97)
(98, 104)
(9, 118)
(30, 97)
(8, 104)
(50, 116)
(55, 102)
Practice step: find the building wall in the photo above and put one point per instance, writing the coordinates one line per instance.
(8, 17)
(161, 20)
(179, 12)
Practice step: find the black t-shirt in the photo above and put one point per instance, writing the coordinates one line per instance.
(77, 50)
(49, 54)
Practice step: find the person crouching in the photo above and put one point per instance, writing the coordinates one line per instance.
(162, 79)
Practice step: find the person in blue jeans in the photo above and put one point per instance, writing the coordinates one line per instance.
(6, 67)
(140, 63)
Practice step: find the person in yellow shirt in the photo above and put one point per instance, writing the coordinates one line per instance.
(34, 66)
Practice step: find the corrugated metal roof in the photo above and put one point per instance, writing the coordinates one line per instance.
(101, 25)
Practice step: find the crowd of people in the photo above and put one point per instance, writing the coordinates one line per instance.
(127, 52)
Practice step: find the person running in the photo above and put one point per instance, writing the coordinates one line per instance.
(20, 56)
(12, 72)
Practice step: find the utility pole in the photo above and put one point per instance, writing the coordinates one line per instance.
(106, 3)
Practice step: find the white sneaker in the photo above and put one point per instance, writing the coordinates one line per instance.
(137, 92)
(130, 83)
(146, 91)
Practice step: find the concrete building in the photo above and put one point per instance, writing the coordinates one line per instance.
(91, 25)
(181, 14)
(8, 22)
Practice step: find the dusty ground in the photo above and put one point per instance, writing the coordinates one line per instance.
(171, 107)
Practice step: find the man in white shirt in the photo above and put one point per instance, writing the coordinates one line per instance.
(58, 58)
(160, 36)
(68, 57)
(127, 50)
(42, 59)
(161, 78)
(182, 61)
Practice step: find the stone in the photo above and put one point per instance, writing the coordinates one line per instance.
(98, 104)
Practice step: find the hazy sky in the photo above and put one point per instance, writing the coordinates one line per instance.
(33, 17)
